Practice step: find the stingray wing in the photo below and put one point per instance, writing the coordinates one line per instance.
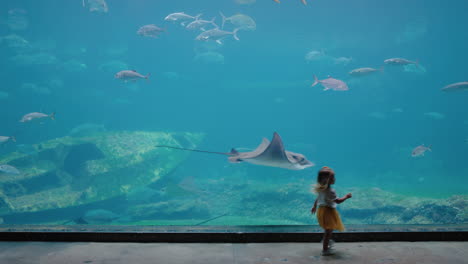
(255, 153)
(272, 155)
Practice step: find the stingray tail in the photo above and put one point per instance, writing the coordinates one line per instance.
(195, 150)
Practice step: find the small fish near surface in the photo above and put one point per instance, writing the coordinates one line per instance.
(36, 116)
(217, 35)
(99, 6)
(180, 17)
(272, 154)
(7, 169)
(4, 139)
(459, 86)
(400, 61)
(151, 31)
(420, 150)
(303, 1)
(331, 84)
(364, 71)
(130, 75)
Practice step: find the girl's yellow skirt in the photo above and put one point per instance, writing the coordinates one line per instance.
(329, 218)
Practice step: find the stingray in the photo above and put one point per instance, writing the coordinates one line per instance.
(272, 154)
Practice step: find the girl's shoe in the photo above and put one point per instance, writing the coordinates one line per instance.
(328, 252)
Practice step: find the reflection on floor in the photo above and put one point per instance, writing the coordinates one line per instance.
(261, 253)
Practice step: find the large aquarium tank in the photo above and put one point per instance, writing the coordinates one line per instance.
(182, 112)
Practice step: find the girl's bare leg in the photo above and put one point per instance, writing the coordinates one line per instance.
(326, 238)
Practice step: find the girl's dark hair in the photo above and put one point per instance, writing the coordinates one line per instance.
(323, 178)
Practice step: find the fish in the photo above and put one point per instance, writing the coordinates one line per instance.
(364, 71)
(217, 35)
(151, 31)
(200, 24)
(342, 60)
(331, 84)
(36, 116)
(4, 139)
(304, 2)
(400, 61)
(459, 86)
(97, 6)
(435, 115)
(181, 17)
(97, 216)
(7, 169)
(315, 55)
(271, 154)
(130, 75)
(420, 150)
(240, 21)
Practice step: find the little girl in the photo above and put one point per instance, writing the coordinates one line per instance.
(327, 215)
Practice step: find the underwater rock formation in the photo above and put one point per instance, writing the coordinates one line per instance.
(292, 202)
(171, 209)
(72, 171)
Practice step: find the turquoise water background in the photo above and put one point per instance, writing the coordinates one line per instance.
(262, 85)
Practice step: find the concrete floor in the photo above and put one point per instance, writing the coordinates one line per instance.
(282, 253)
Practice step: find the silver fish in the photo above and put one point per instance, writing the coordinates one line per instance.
(200, 24)
(130, 75)
(181, 17)
(364, 71)
(240, 21)
(420, 150)
(36, 116)
(7, 169)
(151, 31)
(460, 86)
(4, 139)
(400, 61)
(304, 2)
(217, 35)
(331, 84)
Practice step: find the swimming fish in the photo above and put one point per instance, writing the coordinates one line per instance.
(130, 75)
(151, 31)
(435, 115)
(240, 21)
(217, 35)
(181, 17)
(36, 116)
(97, 6)
(459, 86)
(7, 169)
(303, 1)
(200, 24)
(420, 150)
(400, 61)
(331, 84)
(364, 71)
(4, 139)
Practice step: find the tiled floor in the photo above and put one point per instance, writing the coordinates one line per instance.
(282, 253)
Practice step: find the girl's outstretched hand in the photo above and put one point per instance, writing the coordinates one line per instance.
(349, 195)
(313, 210)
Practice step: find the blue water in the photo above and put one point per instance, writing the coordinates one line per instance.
(264, 85)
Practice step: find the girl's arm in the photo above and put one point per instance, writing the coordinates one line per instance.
(344, 198)
(314, 208)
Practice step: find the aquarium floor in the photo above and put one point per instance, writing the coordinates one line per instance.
(258, 253)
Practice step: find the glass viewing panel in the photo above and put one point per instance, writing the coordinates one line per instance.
(103, 104)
